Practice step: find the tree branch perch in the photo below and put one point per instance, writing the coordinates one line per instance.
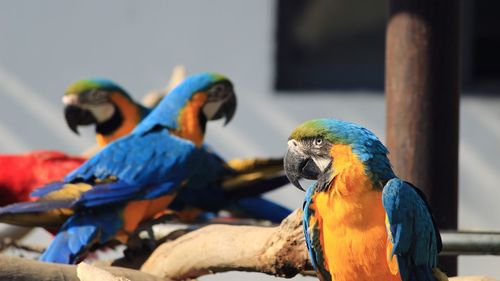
(278, 251)
(13, 268)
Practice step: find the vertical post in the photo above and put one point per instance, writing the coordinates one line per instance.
(422, 88)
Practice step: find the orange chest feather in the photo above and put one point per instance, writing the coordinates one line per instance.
(137, 211)
(131, 117)
(353, 236)
(351, 221)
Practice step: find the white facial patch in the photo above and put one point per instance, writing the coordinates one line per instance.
(322, 162)
(293, 144)
(70, 100)
(211, 108)
(102, 112)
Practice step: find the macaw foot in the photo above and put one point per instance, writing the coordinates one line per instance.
(138, 247)
(164, 213)
(144, 237)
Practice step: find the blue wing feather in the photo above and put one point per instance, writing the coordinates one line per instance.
(48, 188)
(145, 166)
(146, 158)
(79, 232)
(204, 190)
(413, 233)
(312, 236)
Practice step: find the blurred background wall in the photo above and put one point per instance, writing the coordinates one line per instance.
(289, 60)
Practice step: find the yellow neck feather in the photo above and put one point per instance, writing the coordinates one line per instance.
(349, 176)
(189, 120)
(131, 117)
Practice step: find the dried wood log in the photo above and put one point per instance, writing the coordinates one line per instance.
(11, 232)
(13, 268)
(278, 251)
(86, 272)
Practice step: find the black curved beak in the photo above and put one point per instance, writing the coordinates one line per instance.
(76, 116)
(298, 166)
(227, 109)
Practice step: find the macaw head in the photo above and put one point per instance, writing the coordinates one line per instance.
(187, 108)
(95, 101)
(321, 149)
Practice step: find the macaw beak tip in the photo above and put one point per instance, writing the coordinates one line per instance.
(297, 184)
(229, 109)
(226, 109)
(74, 129)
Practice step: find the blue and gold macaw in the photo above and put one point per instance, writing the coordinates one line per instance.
(133, 178)
(361, 222)
(235, 185)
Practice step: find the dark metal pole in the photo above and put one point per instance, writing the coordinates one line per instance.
(422, 88)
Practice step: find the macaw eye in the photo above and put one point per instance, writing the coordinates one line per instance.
(217, 92)
(217, 89)
(318, 141)
(96, 96)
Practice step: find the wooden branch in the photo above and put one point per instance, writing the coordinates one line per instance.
(11, 232)
(13, 268)
(278, 251)
(18, 245)
(86, 272)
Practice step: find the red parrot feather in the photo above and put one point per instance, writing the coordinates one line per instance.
(20, 174)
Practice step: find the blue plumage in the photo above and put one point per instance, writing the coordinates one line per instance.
(138, 177)
(168, 110)
(312, 236)
(415, 239)
(81, 231)
(204, 190)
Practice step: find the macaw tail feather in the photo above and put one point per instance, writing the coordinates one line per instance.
(81, 232)
(253, 165)
(260, 208)
(440, 276)
(411, 272)
(38, 213)
(424, 273)
(254, 176)
(69, 245)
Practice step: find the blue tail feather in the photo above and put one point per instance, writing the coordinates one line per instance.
(69, 244)
(412, 272)
(80, 232)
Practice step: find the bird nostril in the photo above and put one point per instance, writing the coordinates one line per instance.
(293, 143)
